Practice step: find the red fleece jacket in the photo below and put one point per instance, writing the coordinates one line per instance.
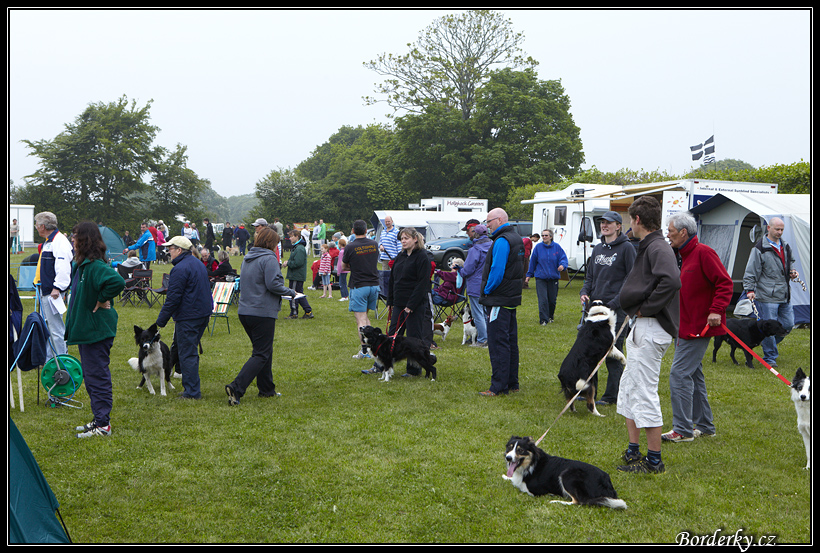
(706, 287)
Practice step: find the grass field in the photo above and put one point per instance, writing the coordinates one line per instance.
(343, 458)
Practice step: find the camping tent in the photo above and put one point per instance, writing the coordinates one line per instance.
(32, 504)
(114, 245)
(730, 222)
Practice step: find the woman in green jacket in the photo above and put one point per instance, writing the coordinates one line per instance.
(91, 323)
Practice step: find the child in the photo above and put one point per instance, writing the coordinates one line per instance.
(325, 267)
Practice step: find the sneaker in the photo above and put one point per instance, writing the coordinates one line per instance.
(371, 370)
(362, 355)
(673, 436)
(86, 427)
(95, 431)
(698, 433)
(487, 393)
(233, 399)
(629, 457)
(308, 315)
(643, 467)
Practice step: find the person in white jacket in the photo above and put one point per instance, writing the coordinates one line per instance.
(54, 277)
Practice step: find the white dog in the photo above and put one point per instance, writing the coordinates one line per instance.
(801, 396)
(470, 332)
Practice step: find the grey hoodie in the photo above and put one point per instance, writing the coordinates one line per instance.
(262, 284)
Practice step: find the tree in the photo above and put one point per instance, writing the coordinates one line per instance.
(281, 194)
(96, 162)
(448, 63)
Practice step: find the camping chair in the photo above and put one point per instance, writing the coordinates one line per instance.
(162, 291)
(25, 278)
(138, 289)
(29, 352)
(222, 295)
(384, 287)
(447, 307)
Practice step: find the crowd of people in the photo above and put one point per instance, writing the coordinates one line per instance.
(664, 288)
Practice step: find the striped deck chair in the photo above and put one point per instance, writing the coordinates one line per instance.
(222, 295)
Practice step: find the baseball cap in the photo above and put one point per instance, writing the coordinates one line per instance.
(179, 242)
(471, 223)
(613, 216)
(260, 222)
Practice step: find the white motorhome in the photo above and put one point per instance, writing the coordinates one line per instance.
(573, 214)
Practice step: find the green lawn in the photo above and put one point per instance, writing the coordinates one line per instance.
(341, 457)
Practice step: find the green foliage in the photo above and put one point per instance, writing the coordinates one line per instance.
(343, 458)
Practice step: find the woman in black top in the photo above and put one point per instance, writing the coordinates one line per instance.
(409, 288)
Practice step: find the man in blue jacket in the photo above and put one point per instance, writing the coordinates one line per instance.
(501, 284)
(547, 262)
(189, 301)
(146, 246)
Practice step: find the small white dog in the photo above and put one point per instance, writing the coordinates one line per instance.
(470, 332)
(801, 396)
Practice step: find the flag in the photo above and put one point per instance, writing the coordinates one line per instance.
(706, 149)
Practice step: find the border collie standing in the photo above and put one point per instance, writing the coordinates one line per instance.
(534, 472)
(801, 396)
(154, 358)
(595, 339)
(389, 349)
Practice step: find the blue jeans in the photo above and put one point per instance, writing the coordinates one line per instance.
(784, 314)
(187, 334)
(479, 319)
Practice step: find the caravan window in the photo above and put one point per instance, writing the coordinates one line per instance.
(560, 215)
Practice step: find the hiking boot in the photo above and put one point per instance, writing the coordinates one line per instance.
(308, 315)
(643, 467)
(673, 436)
(95, 431)
(630, 457)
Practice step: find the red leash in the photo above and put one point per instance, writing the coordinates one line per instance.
(747, 348)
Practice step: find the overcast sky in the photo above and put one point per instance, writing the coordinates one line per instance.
(253, 91)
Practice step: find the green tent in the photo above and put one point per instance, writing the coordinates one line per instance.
(33, 508)
(114, 244)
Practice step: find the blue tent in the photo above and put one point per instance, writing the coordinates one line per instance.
(33, 508)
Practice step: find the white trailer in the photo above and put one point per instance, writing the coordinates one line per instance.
(439, 203)
(573, 214)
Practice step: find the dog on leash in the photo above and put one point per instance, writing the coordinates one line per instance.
(534, 472)
(470, 332)
(442, 329)
(595, 340)
(801, 396)
(388, 349)
(749, 331)
(154, 359)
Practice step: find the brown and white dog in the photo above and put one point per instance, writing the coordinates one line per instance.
(442, 329)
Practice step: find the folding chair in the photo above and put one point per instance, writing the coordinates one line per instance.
(450, 304)
(384, 287)
(162, 291)
(138, 289)
(222, 295)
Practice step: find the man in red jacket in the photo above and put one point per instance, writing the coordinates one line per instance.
(706, 290)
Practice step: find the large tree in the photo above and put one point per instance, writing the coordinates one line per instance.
(450, 60)
(100, 166)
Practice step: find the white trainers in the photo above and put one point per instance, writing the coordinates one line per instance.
(362, 355)
(91, 429)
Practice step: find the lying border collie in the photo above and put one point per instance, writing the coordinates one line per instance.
(596, 339)
(801, 396)
(154, 358)
(389, 349)
(534, 472)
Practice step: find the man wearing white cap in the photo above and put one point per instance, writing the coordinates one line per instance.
(188, 300)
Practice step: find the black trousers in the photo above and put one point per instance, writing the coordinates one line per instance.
(260, 330)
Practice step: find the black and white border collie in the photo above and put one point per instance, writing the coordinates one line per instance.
(596, 339)
(801, 396)
(154, 358)
(534, 472)
(388, 349)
